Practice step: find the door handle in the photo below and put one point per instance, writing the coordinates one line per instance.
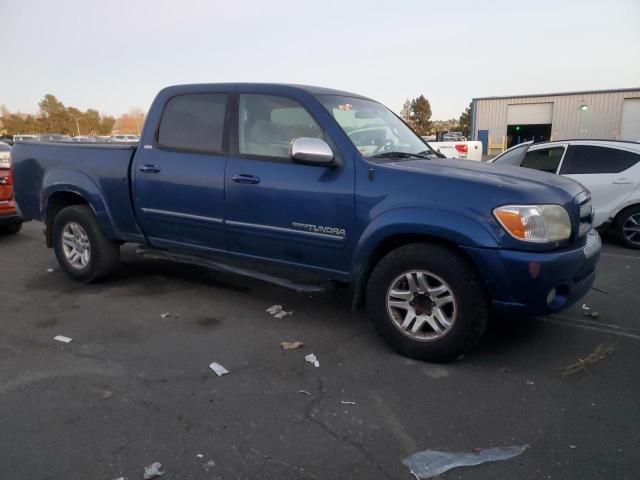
(622, 181)
(244, 178)
(149, 169)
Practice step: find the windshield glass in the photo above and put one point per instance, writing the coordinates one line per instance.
(373, 128)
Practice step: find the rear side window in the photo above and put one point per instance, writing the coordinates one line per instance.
(268, 124)
(544, 159)
(585, 159)
(194, 122)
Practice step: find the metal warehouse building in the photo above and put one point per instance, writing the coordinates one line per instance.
(501, 122)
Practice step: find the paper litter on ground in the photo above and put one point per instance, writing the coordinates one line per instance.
(152, 471)
(347, 402)
(312, 359)
(431, 463)
(291, 345)
(272, 310)
(283, 314)
(219, 369)
(62, 338)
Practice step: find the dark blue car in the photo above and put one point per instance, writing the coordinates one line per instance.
(319, 185)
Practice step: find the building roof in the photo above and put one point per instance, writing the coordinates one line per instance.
(560, 94)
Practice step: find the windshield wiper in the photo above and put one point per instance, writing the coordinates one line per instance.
(432, 153)
(396, 155)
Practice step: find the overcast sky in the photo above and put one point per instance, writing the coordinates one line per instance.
(117, 54)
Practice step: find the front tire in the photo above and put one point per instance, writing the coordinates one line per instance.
(82, 250)
(627, 227)
(427, 302)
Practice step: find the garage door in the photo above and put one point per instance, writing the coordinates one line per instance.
(630, 124)
(529, 113)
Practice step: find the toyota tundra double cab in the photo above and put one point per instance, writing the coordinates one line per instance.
(264, 178)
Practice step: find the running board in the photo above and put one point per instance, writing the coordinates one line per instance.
(156, 254)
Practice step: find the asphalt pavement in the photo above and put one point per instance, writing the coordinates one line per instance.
(134, 386)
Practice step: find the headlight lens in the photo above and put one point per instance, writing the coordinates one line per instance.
(535, 223)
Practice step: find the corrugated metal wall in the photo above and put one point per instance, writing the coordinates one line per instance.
(601, 120)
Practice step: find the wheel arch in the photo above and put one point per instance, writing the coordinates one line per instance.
(393, 242)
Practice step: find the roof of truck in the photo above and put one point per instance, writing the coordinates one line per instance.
(313, 90)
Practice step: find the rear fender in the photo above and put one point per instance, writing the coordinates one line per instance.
(82, 185)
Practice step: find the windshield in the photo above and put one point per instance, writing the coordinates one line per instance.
(4, 147)
(373, 128)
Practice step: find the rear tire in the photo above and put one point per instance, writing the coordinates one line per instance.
(436, 315)
(82, 250)
(624, 226)
(11, 228)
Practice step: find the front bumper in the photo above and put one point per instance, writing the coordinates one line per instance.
(538, 283)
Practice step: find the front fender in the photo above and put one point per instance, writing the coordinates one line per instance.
(72, 181)
(451, 226)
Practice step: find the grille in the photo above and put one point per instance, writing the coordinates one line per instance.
(586, 213)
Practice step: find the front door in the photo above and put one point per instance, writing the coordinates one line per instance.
(276, 209)
(178, 183)
(604, 171)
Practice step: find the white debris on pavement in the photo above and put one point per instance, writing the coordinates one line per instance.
(304, 392)
(219, 369)
(585, 307)
(199, 455)
(431, 463)
(312, 359)
(169, 314)
(272, 310)
(62, 338)
(209, 465)
(50, 270)
(283, 314)
(291, 345)
(152, 471)
(347, 402)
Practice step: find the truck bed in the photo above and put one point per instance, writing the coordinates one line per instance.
(47, 167)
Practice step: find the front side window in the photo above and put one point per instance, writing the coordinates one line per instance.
(544, 159)
(372, 127)
(268, 124)
(585, 159)
(194, 122)
(513, 156)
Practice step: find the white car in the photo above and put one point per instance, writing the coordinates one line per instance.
(5, 153)
(610, 169)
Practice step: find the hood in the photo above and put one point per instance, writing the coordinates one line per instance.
(488, 173)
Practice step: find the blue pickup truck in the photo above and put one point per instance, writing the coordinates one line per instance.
(312, 185)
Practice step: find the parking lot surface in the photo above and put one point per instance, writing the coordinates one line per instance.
(134, 386)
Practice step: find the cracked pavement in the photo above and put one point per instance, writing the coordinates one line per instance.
(134, 388)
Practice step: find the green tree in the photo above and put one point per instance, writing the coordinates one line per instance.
(421, 115)
(465, 120)
(56, 116)
(405, 112)
(106, 125)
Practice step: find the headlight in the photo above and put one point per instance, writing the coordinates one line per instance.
(535, 223)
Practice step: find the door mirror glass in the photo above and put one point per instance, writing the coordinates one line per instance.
(311, 151)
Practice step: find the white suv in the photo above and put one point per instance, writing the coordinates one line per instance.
(609, 169)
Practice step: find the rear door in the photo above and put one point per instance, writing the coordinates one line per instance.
(178, 181)
(279, 210)
(606, 172)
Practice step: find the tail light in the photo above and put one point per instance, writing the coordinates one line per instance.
(462, 148)
(7, 180)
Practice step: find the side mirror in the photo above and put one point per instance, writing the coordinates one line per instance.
(311, 151)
